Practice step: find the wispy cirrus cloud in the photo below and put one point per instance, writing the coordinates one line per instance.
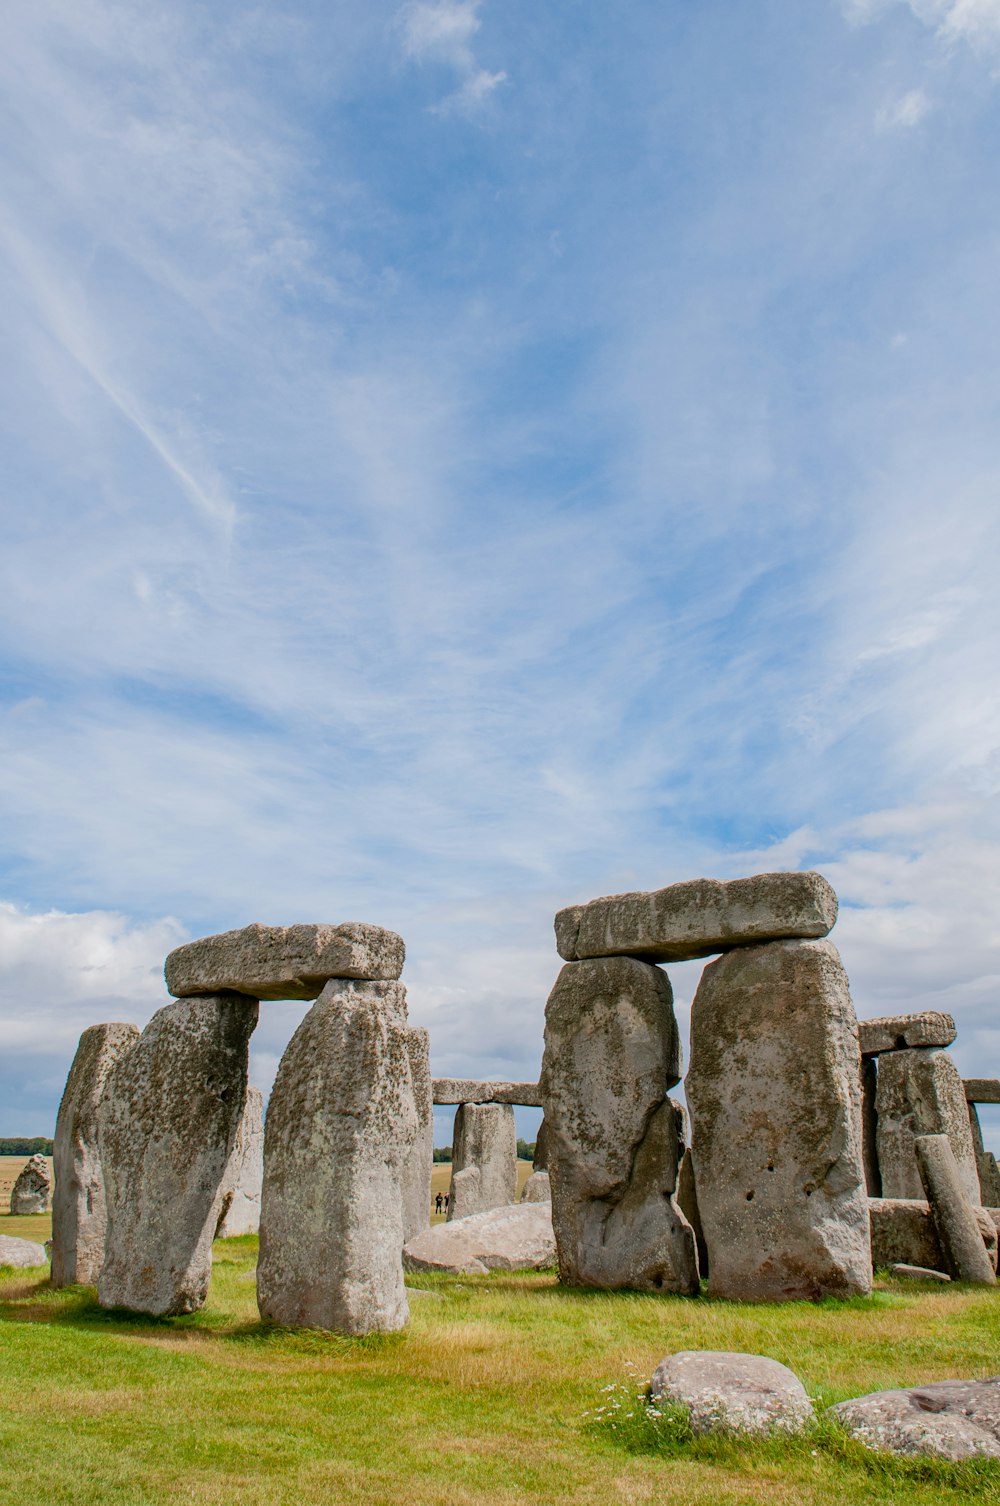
(442, 32)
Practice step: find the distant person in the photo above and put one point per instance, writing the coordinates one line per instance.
(437, 1203)
(447, 1198)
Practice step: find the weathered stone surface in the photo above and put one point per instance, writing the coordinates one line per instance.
(21, 1254)
(687, 1202)
(537, 1189)
(747, 1394)
(903, 1232)
(416, 1173)
(515, 1238)
(989, 1174)
(774, 1090)
(919, 1273)
(484, 1140)
(283, 962)
(340, 1129)
(244, 1179)
(611, 1052)
(896, 1032)
(869, 1125)
(982, 1089)
(33, 1187)
(474, 1090)
(920, 1093)
(167, 1125)
(951, 1419)
(697, 918)
(79, 1218)
(954, 1216)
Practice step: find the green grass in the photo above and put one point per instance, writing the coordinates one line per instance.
(488, 1397)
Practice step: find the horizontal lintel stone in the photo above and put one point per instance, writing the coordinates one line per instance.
(899, 1032)
(284, 962)
(698, 918)
(471, 1090)
(982, 1089)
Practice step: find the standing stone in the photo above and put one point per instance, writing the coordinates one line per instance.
(340, 1130)
(167, 1127)
(687, 1202)
(420, 1161)
(611, 1053)
(541, 1158)
(537, 1188)
(31, 1191)
(485, 1140)
(920, 1092)
(774, 1090)
(954, 1216)
(79, 1217)
(989, 1175)
(869, 1125)
(240, 1213)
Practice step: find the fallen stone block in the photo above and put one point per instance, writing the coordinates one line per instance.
(447, 1090)
(951, 1419)
(774, 1091)
(899, 1031)
(516, 1238)
(742, 1394)
(21, 1254)
(903, 1233)
(918, 1273)
(244, 1179)
(283, 962)
(484, 1141)
(79, 1215)
(697, 918)
(954, 1217)
(920, 1093)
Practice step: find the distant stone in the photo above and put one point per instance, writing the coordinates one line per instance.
(955, 1219)
(746, 1394)
(341, 1126)
(244, 1177)
(774, 1091)
(484, 1141)
(516, 1238)
(31, 1191)
(698, 917)
(449, 1090)
(419, 1163)
(869, 1125)
(537, 1189)
(919, 1273)
(920, 1092)
(21, 1254)
(898, 1031)
(989, 1175)
(541, 1160)
(79, 1216)
(167, 1128)
(283, 962)
(951, 1419)
(611, 1053)
(904, 1233)
(982, 1089)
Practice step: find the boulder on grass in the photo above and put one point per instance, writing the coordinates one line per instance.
(22, 1254)
(516, 1238)
(733, 1393)
(952, 1419)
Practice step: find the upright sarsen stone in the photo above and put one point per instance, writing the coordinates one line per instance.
(419, 1162)
(167, 1127)
(79, 1219)
(611, 1053)
(244, 1177)
(340, 1130)
(484, 1141)
(33, 1187)
(775, 1100)
(920, 1092)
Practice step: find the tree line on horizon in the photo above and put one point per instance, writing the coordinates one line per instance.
(525, 1151)
(20, 1145)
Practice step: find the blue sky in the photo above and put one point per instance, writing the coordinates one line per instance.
(466, 458)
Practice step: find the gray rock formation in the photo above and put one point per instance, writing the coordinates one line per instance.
(341, 1125)
(687, 1202)
(989, 1174)
(484, 1140)
(951, 1419)
(920, 1093)
(611, 1053)
(537, 1189)
(283, 962)
(79, 1219)
(33, 1187)
(167, 1126)
(982, 1089)
(954, 1216)
(515, 1238)
(904, 1233)
(697, 918)
(416, 1175)
(746, 1394)
(774, 1090)
(896, 1032)
(21, 1254)
(475, 1090)
(869, 1125)
(244, 1178)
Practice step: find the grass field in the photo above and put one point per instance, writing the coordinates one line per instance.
(483, 1399)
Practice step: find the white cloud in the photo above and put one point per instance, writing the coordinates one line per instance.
(908, 110)
(974, 21)
(443, 33)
